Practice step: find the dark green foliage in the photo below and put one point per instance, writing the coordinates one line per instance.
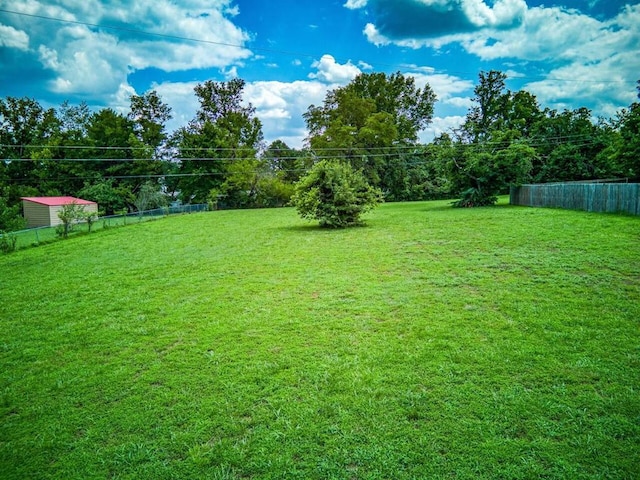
(110, 198)
(490, 109)
(149, 115)
(10, 218)
(335, 194)
(475, 197)
(373, 124)
(23, 123)
(507, 139)
(481, 174)
(628, 154)
(287, 163)
(222, 139)
(273, 192)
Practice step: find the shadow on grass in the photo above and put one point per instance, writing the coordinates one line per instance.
(451, 208)
(314, 227)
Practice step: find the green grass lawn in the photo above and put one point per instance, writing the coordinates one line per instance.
(433, 343)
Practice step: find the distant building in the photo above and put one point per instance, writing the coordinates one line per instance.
(43, 211)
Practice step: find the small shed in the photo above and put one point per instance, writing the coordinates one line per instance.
(43, 211)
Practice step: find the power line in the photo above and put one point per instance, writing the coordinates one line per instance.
(264, 171)
(318, 153)
(231, 160)
(186, 149)
(236, 159)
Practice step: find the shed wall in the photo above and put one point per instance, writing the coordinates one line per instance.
(37, 215)
(54, 219)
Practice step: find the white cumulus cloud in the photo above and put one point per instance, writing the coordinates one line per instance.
(88, 60)
(329, 71)
(280, 106)
(13, 38)
(355, 4)
(591, 61)
(441, 125)
(503, 12)
(446, 87)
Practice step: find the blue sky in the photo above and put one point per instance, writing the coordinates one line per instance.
(569, 53)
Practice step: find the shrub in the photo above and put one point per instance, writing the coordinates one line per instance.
(474, 197)
(8, 242)
(149, 196)
(69, 214)
(334, 194)
(89, 217)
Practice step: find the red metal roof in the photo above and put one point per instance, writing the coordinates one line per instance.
(55, 201)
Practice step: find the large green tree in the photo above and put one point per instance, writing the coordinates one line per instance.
(569, 145)
(25, 126)
(10, 218)
(490, 107)
(410, 107)
(223, 137)
(627, 155)
(149, 115)
(285, 162)
(64, 165)
(369, 122)
(110, 198)
(507, 139)
(491, 151)
(110, 135)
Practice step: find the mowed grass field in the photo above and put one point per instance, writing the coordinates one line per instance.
(435, 342)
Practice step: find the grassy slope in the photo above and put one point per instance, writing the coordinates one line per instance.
(434, 343)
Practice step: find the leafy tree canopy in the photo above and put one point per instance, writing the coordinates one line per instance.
(149, 115)
(409, 107)
(225, 130)
(368, 122)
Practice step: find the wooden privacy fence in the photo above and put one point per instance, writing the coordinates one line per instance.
(592, 197)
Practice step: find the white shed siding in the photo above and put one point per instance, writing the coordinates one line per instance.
(36, 214)
(93, 207)
(54, 219)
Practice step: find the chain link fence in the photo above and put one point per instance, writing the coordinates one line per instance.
(41, 235)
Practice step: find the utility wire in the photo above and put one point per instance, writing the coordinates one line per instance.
(188, 149)
(337, 155)
(412, 163)
(318, 153)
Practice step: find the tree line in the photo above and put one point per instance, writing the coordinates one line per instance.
(372, 124)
